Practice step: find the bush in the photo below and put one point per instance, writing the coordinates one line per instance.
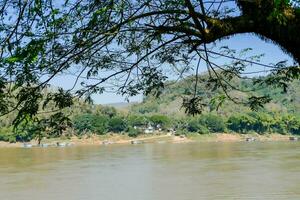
(161, 120)
(132, 132)
(136, 120)
(195, 126)
(23, 136)
(12, 139)
(180, 132)
(295, 128)
(203, 130)
(241, 123)
(279, 127)
(7, 135)
(214, 123)
(83, 123)
(292, 124)
(117, 125)
(179, 123)
(91, 123)
(262, 123)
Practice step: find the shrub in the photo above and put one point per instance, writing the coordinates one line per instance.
(12, 139)
(161, 120)
(136, 120)
(132, 132)
(292, 124)
(91, 123)
(240, 123)
(117, 124)
(193, 125)
(179, 123)
(23, 136)
(6, 134)
(203, 130)
(279, 127)
(180, 132)
(214, 123)
(196, 126)
(83, 123)
(262, 123)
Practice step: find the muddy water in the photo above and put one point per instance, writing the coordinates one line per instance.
(152, 172)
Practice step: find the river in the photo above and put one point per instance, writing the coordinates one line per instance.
(152, 172)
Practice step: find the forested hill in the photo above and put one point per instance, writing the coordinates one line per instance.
(170, 101)
(281, 115)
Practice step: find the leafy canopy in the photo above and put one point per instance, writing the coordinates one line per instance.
(134, 46)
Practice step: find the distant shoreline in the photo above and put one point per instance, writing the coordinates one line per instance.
(112, 139)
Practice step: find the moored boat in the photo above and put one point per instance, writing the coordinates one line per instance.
(61, 144)
(293, 138)
(251, 139)
(136, 142)
(27, 145)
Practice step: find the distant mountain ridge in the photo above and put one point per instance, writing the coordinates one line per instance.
(121, 104)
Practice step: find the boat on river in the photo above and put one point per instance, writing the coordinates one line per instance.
(61, 144)
(250, 139)
(44, 145)
(106, 142)
(136, 142)
(27, 145)
(293, 138)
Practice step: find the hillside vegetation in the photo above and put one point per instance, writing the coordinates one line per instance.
(281, 115)
(170, 101)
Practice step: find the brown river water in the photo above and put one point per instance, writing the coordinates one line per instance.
(152, 172)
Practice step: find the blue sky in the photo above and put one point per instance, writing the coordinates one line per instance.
(273, 54)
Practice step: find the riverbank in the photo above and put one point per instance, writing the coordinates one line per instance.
(234, 137)
(153, 138)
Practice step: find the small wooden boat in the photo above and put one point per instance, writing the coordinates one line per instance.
(136, 142)
(63, 144)
(44, 145)
(251, 139)
(106, 142)
(293, 138)
(27, 145)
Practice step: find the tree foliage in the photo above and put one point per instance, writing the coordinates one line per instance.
(134, 45)
(91, 123)
(117, 124)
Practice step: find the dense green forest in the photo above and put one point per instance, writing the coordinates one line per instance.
(281, 115)
(170, 101)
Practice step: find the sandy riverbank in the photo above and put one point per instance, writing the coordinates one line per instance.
(124, 139)
(233, 137)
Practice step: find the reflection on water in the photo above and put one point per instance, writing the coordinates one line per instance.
(152, 172)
